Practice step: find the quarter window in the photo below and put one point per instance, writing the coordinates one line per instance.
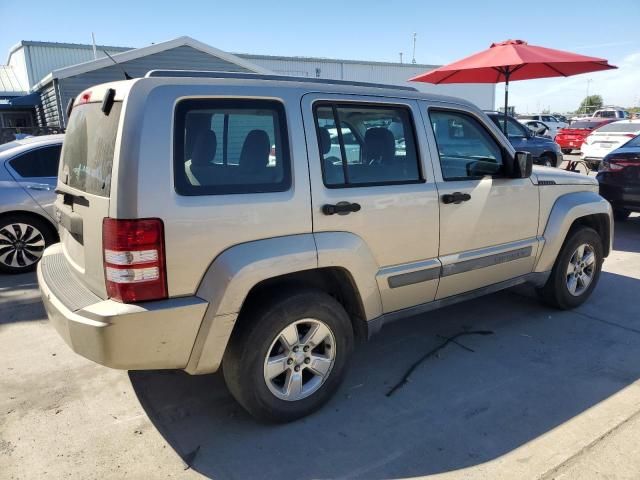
(231, 146)
(465, 148)
(364, 145)
(42, 162)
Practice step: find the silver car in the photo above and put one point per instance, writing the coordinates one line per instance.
(28, 175)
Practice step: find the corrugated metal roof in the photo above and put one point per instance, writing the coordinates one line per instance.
(78, 68)
(250, 56)
(85, 46)
(45, 57)
(9, 83)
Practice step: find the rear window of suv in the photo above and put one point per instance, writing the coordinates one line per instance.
(230, 146)
(88, 148)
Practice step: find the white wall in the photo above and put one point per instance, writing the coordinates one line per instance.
(483, 95)
(17, 62)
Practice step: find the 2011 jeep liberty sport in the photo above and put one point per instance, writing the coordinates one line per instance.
(260, 224)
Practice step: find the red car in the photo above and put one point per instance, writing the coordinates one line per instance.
(571, 137)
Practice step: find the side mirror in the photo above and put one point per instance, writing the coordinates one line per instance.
(522, 165)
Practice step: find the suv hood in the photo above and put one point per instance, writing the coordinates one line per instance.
(546, 175)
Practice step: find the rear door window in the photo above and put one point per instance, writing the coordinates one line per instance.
(88, 148)
(230, 147)
(365, 145)
(41, 162)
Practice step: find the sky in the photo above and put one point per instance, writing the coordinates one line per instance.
(364, 30)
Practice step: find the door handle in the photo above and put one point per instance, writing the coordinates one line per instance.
(341, 208)
(456, 197)
(43, 188)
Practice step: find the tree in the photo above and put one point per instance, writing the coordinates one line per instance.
(590, 103)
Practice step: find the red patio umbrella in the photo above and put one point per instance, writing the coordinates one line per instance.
(513, 60)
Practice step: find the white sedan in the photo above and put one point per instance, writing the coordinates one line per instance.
(606, 139)
(539, 128)
(549, 120)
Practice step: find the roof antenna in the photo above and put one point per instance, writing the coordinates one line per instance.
(126, 75)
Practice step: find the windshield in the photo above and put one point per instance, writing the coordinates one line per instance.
(620, 127)
(87, 151)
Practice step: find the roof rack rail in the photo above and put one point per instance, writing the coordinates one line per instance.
(259, 76)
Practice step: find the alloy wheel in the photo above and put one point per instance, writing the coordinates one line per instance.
(581, 269)
(300, 359)
(21, 245)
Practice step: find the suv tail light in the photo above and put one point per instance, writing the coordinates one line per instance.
(134, 259)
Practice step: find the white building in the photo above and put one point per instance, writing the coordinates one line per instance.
(39, 78)
(394, 73)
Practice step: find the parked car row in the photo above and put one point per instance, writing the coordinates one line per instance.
(606, 139)
(572, 137)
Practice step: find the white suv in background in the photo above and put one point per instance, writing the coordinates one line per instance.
(549, 120)
(611, 113)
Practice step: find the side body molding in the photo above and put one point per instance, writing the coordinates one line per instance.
(565, 211)
(349, 251)
(229, 279)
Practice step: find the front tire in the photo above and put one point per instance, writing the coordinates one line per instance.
(23, 238)
(576, 271)
(288, 356)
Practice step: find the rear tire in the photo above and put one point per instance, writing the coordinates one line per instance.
(567, 151)
(576, 271)
(548, 160)
(288, 357)
(23, 238)
(621, 214)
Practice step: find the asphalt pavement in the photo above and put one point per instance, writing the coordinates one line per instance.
(549, 394)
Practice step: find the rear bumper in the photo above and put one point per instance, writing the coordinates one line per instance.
(566, 143)
(150, 335)
(620, 196)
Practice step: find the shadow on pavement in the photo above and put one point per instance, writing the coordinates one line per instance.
(19, 299)
(627, 235)
(541, 368)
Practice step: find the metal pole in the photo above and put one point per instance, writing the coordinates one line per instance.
(506, 97)
(413, 60)
(93, 40)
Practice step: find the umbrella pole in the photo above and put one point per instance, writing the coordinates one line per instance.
(507, 73)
